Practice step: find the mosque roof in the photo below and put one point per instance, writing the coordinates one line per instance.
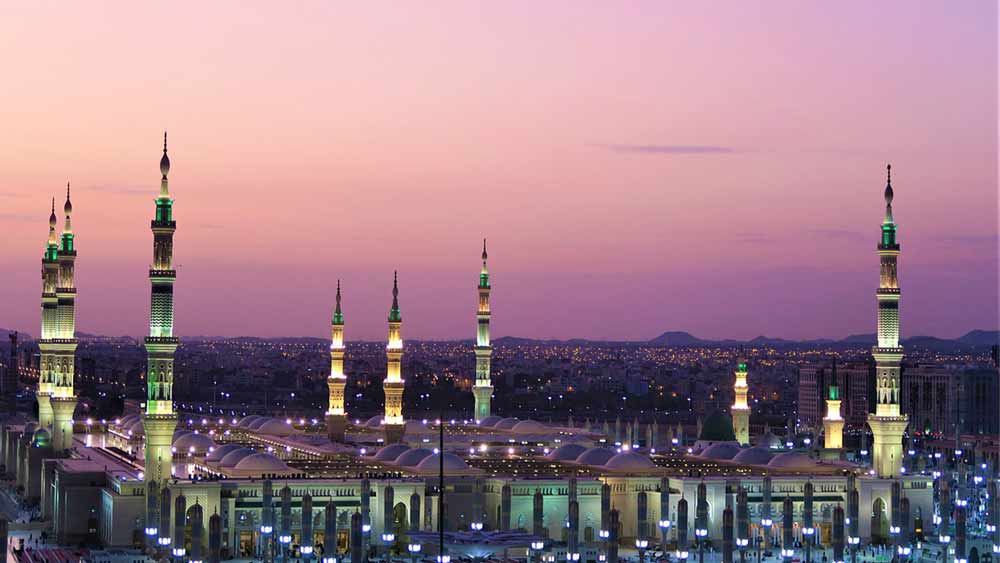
(792, 461)
(390, 453)
(595, 456)
(261, 462)
(567, 452)
(629, 461)
(718, 427)
(721, 451)
(754, 456)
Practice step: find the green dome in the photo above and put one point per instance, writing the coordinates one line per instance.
(718, 427)
(41, 438)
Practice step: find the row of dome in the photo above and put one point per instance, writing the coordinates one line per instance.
(421, 460)
(605, 458)
(266, 425)
(786, 461)
(234, 456)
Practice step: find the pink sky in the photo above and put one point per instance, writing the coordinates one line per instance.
(317, 140)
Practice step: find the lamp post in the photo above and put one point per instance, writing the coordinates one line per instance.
(574, 557)
(284, 540)
(265, 533)
(664, 529)
(765, 530)
(854, 542)
(701, 534)
(476, 526)
(387, 539)
(366, 530)
(414, 549)
(742, 544)
(536, 547)
(641, 545)
(808, 532)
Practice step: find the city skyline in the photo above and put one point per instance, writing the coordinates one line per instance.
(619, 230)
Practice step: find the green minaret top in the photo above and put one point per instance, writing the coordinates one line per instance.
(338, 316)
(834, 391)
(67, 234)
(888, 223)
(52, 247)
(394, 316)
(484, 275)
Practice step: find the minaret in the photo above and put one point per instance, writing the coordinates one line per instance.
(483, 388)
(159, 420)
(336, 417)
(393, 385)
(740, 410)
(50, 324)
(833, 423)
(887, 423)
(63, 399)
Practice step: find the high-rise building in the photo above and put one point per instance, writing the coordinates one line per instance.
(943, 400)
(740, 409)
(888, 423)
(10, 377)
(63, 397)
(392, 422)
(483, 388)
(159, 420)
(336, 416)
(833, 422)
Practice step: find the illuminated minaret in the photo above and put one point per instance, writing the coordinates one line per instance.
(393, 385)
(483, 388)
(336, 417)
(50, 324)
(159, 420)
(833, 423)
(740, 410)
(887, 423)
(63, 398)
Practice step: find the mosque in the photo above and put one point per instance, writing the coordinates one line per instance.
(266, 485)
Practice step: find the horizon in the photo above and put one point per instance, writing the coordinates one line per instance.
(633, 167)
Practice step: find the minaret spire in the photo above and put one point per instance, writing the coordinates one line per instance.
(482, 390)
(160, 420)
(50, 324)
(887, 423)
(833, 423)
(393, 385)
(740, 409)
(63, 399)
(336, 416)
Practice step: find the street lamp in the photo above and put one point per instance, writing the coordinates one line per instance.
(765, 524)
(387, 539)
(808, 532)
(444, 558)
(414, 549)
(329, 559)
(742, 544)
(476, 526)
(787, 554)
(700, 533)
(664, 528)
(641, 545)
(574, 557)
(681, 554)
(537, 547)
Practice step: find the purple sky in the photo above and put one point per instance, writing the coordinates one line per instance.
(637, 167)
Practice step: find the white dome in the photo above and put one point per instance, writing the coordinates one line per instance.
(246, 420)
(200, 443)
(490, 421)
(769, 440)
(275, 427)
(220, 452)
(127, 421)
(451, 463)
(530, 427)
(792, 461)
(234, 457)
(179, 432)
(411, 458)
(390, 453)
(630, 461)
(259, 422)
(566, 452)
(506, 424)
(721, 451)
(136, 428)
(261, 463)
(374, 422)
(595, 456)
(754, 456)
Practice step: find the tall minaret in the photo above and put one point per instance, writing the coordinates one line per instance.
(63, 398)
(336, 417)
(887, 423)
(50, 324)
(833, 423)
(159, 420)
(483, 389)
(393, 385)
(740, 410)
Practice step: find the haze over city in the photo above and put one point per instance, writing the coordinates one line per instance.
(636, 169)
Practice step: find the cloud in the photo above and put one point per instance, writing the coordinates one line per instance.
(122, 190)
(667, 149)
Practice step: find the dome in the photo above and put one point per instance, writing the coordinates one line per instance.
(721, 451)
(490, 421)
(234, 457)
(261, 463)
(792, 461)
(411, 458)
(200, 443)
(178, 433)
(374, 422)
(595, 456)
(506, 424)
(754, 456)
(220, 452)
(769, 440)
(164, 160)
(137, 428)
(530, 427)
(276, 427)
(416, 427)
(451, 463)
(246, 420)
(259, 422)
(718, 427)
(630, 461)
(127, 421)
(41, 438)
(566, 452)
(390, 453)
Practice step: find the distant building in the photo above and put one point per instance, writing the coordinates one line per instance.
(942, 400)
(856, 384)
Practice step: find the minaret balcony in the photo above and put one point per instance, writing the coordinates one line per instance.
(165, 225)
(168, 275)
(71, 290)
